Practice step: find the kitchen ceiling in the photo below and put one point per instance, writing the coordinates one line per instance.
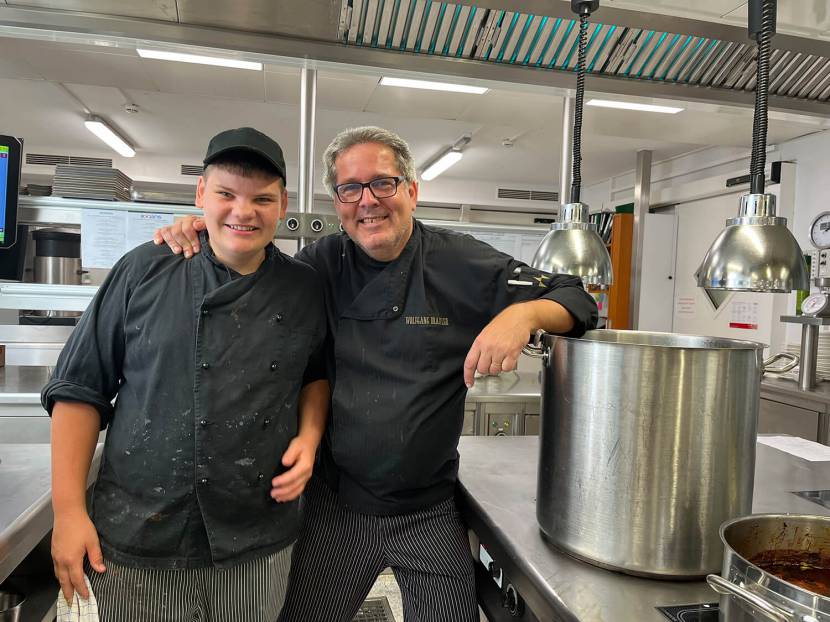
(662, 48)
(181, 104)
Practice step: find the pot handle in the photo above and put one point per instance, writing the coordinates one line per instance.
(793, 358)
(535, 348)
(759, 603)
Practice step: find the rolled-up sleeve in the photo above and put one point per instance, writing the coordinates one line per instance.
(514, 281)
(89, 368)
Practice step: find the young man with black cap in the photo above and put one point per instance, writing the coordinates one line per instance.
(221, 395)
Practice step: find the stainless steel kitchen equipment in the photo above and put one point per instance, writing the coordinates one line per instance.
(816, 307)
(10, 606)
(57, 257)
(647, 445)
(756, 251)
(573, 245)
(749, 592)
(57, 260)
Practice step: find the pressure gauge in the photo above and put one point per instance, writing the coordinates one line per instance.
(820, 231)
(815, 304)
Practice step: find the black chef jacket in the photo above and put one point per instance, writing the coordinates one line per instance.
(207, 366)
(401, 333)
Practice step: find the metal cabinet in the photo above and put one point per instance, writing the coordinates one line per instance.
(469, 426)
(532, 420)
(499, 418)
(779, 418)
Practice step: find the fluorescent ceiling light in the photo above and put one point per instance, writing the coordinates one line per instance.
(103, 131)
(603, 103)
(199, 60)
(441, 164)
(432, 86)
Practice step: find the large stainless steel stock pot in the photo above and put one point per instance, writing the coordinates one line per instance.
(775, 567)
(647, 445)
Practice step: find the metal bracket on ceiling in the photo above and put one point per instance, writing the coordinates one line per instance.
(584, 7)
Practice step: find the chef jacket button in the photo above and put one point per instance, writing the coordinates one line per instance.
(260, 476)
(278, 317)
(395, 308)
(203, 422)
(205, 311)
(274, 366)
(205, 365)
(266, 421)
(204, 481)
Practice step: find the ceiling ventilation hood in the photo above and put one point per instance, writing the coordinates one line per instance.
(500, 36)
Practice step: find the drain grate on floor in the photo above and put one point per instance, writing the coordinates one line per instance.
(375, 610)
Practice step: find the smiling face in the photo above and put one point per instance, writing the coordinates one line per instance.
(241, 214)
(381, 227)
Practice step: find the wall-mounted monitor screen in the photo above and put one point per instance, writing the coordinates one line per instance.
(10, 163)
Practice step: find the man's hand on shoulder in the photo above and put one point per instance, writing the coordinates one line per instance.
(182, 236)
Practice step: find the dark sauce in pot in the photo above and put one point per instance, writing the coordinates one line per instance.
(807, 570)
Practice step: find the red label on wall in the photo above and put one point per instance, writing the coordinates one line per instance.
(742, 325)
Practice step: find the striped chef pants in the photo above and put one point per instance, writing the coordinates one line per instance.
(340, 553)
(252, 591)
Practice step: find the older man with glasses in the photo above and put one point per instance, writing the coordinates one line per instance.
(414, 312)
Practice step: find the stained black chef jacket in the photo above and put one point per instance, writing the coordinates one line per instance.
(401, 332)
(207, 366)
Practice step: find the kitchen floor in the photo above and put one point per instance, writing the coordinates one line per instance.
(388, 587)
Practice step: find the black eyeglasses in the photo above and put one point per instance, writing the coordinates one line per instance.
(381, 188)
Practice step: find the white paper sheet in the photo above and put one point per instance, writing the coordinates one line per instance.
(102, 237)
(142, 225)
(800, 447)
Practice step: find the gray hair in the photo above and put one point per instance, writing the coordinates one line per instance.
(361, 135)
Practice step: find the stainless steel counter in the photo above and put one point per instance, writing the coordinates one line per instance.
(26, 501)
(498, 500)
(22, 384)
(506, 387)
(788, 392)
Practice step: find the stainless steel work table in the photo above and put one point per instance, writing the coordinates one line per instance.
(26, 500)
(497, 497)
(787, 390)
(506, 387)
(21, 384)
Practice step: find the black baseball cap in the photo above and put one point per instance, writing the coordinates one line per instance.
(249, 139)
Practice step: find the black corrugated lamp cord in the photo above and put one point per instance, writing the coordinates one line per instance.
(762, 27)
(583, 9)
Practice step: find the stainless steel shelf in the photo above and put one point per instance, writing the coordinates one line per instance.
(46, 297)
(60, 211)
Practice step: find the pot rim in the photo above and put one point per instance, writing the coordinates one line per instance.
(816, 598)
(735, 344)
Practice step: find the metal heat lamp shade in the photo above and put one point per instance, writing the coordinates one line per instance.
(755, 252)
(573, 246)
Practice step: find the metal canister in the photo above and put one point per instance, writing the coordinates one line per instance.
(57, 257)
(57, 260)
(647, 445)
